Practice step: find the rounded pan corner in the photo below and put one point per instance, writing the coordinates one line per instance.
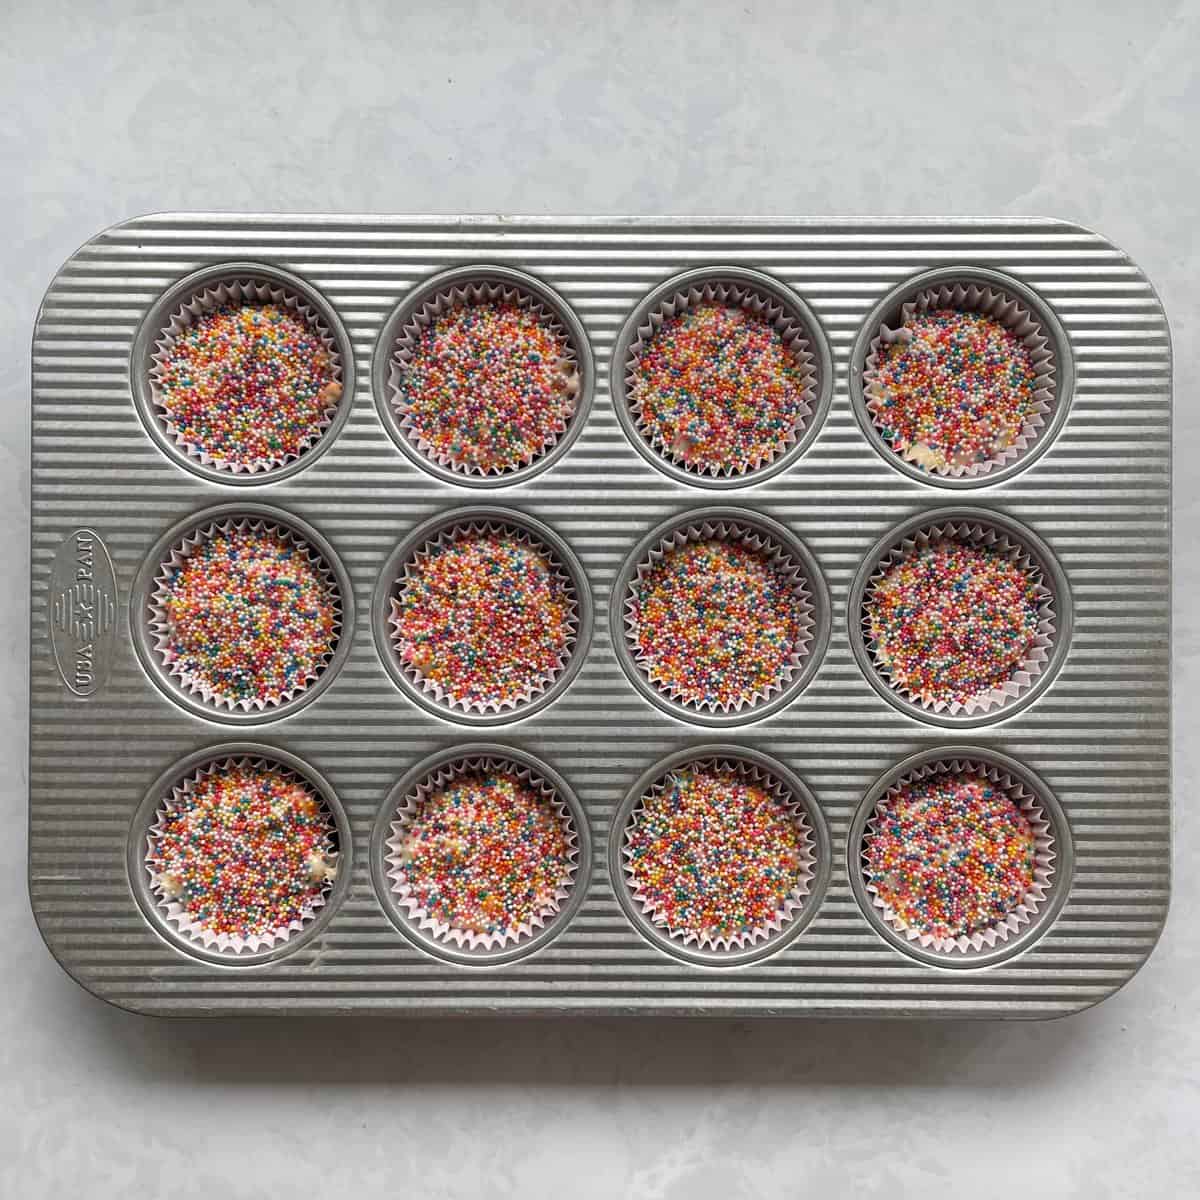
(1095, 1002)
(86, 985)
(91, 241)
(1088, 231)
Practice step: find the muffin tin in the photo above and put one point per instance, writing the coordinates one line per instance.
(111, 733)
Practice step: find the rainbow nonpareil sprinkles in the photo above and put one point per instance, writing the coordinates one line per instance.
(487, 853)
(717, 388)
(486, 617)
(487, 386)
(248, 386)
(951, 621)
(246, 615)
(714, 856)
(245, 850)
(717, 623)
(954, 390)
(950, 856)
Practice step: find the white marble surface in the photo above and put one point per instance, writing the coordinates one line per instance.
(1082, 110)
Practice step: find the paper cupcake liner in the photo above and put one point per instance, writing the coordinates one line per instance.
(727, 530)
(982, 536)
(195, 931)
(728, 294)
(159, 624)
(208, 299)
(446, 537)
(1045, 855)
(990, 301)
(439, 303)
(411, 805)
(761, 777)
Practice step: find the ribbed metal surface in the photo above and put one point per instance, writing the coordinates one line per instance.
(1099, 736)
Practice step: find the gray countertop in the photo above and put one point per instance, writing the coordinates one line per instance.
(1083, 111)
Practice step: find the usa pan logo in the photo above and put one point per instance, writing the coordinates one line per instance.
(83, 610)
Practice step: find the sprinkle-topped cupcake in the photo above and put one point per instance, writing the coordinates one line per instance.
(486, 387)
(717, 623)
(242, 853)
(950, 856)
(485, 617)
(952, 621)
(487, 855)
(953, 390)
(718, 389)
(715, 857)
(247, 386)
(245, 615)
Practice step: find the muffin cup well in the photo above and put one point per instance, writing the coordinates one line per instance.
(201, 293)
(799, 906)
(762, 535)
(169, 917)
(1053, 858)
(987, 531)
(151, 630)
(442, 293)
(1018, 308)
(441, 530)
(733, 287)
(395, 819)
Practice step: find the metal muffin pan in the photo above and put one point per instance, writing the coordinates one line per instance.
(106, 735)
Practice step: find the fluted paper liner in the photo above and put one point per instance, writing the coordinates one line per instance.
(410, 807)
(446, 537)
(780, 558)
(727, 294)
(982, 536)
(1009, 312)
(195, 931)
(208, 299)
(467, 293)
(160, 625)
(793, 902)
(1045, 854)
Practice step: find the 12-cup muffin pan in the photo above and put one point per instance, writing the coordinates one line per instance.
(1081, 740)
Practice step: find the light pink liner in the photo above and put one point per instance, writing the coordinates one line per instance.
(736, 533)
(160, 624)
(981, 537)
(755, 775)
(728, 295)
(409, 809)
(1013, 315)
(1043, 868)
(241, 291)
(446, 538)
(178, 916)
(442, 303)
